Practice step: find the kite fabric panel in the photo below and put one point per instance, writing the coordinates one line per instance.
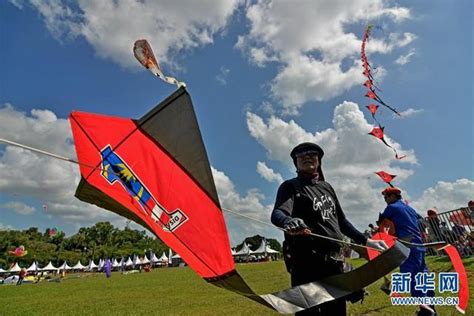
(135, 176)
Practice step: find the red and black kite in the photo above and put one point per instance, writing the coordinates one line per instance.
(155, 171)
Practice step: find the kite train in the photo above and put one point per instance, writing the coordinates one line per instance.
(377, 131)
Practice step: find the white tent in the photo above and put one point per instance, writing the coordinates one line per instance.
(115, 263)
(48, 267)
(91, 265)
(163, 258)
(78, 266)
(176, 256)
(154, 259)
(101, 264)
(136, 260)
(15, 268)
(270, 250)
(145, 260)
(2, 271)
(264, 248)
(233, 251)
(33, 267)
(129, 262)
(65, 266)
(244, 251)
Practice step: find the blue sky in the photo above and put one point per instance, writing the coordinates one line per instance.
(263, 76)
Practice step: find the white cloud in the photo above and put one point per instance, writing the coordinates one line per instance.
(268, 174)
(266, 107)
(6, 227)
(222, 76)
(410, 112)
(112, 27)
(445, 196)
(310, 41)
(305, 78)
(18, 207)
(351, 157)
(405, 59)
(25, 174)
(249, 207)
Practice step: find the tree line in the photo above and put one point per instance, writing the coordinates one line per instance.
(101, 240)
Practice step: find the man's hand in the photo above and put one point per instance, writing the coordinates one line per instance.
(296, 226)
(377, 244)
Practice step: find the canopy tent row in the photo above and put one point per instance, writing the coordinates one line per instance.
(263, 249)
(162, 260)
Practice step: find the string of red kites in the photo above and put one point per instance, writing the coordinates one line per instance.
(377, 131)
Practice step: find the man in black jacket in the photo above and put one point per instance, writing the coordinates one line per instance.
(307, 204)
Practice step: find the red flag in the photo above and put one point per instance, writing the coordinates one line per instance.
(372, 108)
(386, 177)
(370, 94)
(377, 132)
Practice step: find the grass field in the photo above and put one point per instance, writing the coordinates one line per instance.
(179, 291)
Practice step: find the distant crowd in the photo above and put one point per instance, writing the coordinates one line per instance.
(455, 227)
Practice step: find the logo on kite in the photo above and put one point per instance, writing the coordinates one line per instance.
(115, 169)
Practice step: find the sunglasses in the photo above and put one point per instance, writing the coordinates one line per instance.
(310, 153)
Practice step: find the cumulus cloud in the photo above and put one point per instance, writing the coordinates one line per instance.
(405, 59)
(249, 206)
(18, 207)
(410, 112)
(351, 156)
(311, 42)
(24, 174)
(446, 196)
(111, 27)
(268, 173)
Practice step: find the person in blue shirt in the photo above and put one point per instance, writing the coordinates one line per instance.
(403, 222)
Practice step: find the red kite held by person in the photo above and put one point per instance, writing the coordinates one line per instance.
(155, 171)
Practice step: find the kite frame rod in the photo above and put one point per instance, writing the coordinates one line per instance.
(9, 142)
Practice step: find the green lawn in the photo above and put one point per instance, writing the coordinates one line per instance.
(179, 291)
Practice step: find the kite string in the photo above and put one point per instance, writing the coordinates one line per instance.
(227, 210)
(311, 234)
